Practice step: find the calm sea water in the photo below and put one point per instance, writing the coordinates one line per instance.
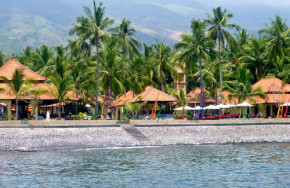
(245, 165)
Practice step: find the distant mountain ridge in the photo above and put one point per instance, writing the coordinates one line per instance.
(34, 22)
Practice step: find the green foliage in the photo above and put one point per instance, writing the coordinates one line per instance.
(2, 58)
(132, 110)
(101, 59)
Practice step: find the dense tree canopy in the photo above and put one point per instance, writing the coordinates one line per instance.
(105, 58)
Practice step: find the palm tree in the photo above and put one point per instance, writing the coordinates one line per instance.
(134, 108)
(129, 44)
(93, 25)
(16, 86)
(241, 88)
(217, 24)
(125, 32)
(63, 86)
(278, 35)
(198, 46)
(33, 92)
(110, 70)
(182, 100)
(254, 56)
(77, 69)
(164, 64)
(211, 76)
(138, 74)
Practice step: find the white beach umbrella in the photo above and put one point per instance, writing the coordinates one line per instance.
(184, 108)
(222, 106)
(286, 104)
(230, 105)
(197, 108)
(244, 104)
(88, 106)
(211, 107)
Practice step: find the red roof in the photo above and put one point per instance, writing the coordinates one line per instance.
(276, 91)
(196, 92)
(151, 95)
(124, 98)
(8, 69)
(9, 95)
(271, 84)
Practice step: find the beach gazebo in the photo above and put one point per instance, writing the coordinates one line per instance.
(152, 95)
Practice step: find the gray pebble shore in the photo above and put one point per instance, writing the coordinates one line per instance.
(38, 139)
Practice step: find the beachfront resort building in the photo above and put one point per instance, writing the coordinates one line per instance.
(25, 105)
(276, 92)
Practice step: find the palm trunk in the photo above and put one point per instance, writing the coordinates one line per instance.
(108, 107)
(98, 70)
(201, 86)
(104, 103)
(216, 94)
(186, 77)
(220, 67)
(124, 76)
(59, 110)
(161, 81)
(16, 108)
(260, 71)
(110, 95)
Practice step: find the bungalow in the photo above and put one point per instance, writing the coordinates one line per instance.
(276, 92)
(25, 108)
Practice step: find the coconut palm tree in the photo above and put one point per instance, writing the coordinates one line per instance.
(16, 86)
(278, 36)
(197, 45)
(138, 74)
(182, 100)
(254, 56)
(164, 63)
(134, 108)
(217, 23)
(110, 69)
(33, 91)
(62, 87)
(129, 44)
(125, 32)
(94, 25)
(241, 87)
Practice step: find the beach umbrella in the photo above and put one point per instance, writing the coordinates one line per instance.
(222, 106)
(244, 104)
(286, 104)
(184, 108)
(88, 106)
(211, 107)
(197, 108)
(231, 105)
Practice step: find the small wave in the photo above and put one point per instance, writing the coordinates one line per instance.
(117, 148)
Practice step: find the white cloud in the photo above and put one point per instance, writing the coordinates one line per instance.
(272, 3)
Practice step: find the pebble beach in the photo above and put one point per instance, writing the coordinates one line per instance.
(58, 138)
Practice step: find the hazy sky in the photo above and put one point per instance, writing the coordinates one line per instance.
(271, 3)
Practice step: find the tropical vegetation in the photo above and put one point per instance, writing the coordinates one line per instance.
(104, 59)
